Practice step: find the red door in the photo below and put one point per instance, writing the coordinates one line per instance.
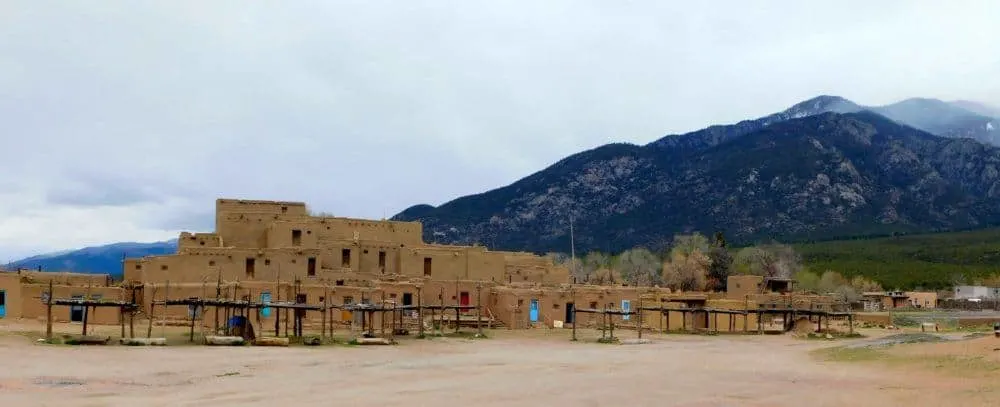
(464, 299)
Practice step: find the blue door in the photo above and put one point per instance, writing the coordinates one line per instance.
(265, 298)
(533, 310)
(626, 306)
(3, 303)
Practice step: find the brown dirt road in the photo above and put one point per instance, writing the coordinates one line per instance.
(510, 369)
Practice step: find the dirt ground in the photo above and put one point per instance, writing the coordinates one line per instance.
(537, 368)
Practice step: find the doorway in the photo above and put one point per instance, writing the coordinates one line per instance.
(626, 306)
(463, 300)
(76, 311)
(407, 298)
(265, 298)
(533, 310)
(569, 312)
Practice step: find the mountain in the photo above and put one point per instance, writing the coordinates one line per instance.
(824, 168)
(943, 119)
(96, 259)
(977, 108)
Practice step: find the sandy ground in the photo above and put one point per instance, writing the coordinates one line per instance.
(541, 368)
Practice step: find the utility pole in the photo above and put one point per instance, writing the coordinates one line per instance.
(572, 249)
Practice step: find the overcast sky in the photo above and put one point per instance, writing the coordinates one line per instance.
(124, 120)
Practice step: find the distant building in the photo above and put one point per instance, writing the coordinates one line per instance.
(967, 292)
(881, 301)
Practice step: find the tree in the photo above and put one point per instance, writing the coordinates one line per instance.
(593, 262)
(639, 266)
(686, 272)
(721, 264)
(769, 260)
(807, 281)
(688, 244)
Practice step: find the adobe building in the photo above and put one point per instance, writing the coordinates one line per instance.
(22, 294)
(272, 251)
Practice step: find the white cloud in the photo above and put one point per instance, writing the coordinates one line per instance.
(120, 120)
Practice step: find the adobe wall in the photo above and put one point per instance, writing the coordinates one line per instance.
(65, 278)
(32, 306)
(10, 284)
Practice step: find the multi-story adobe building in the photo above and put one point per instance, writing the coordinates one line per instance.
(270, 251)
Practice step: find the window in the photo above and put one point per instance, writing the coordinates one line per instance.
(250, 267)
(340, 282)
(381, 260)
(427, 266)
(345, 258)
(267, 262)
(593, 305)
(211, 262)
(163, 267)
(138, 267)
(311, 267)
(296, 237)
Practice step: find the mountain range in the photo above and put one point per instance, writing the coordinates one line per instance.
(823, 168)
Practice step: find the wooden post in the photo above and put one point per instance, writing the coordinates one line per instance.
(121, 319)
(457, 315)
(666, 316)
(640, 316)
(574, 321)
(218, 293)
(661, 317)
(163, 312)
(479, 307)
(48, 313)
(86, 310)
(326, 299)
(194, 312)
(850, 324)
(381, 316)
(420, 313)
(715, 320)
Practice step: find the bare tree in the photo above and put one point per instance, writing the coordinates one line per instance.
(593, 262)
(686, 271)
(639, 266)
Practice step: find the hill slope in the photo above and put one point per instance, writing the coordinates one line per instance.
(931, 261)
(96, 259)
(788, 176)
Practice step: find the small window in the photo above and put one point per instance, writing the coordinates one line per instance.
(340, 282)
(163, 267)
(322, 299)
(211, 263)
(267, 262)
(427, 266)
(284, 209)
(138, 267)
(296, 237)
(520, 302)
(555, 306)
(593, 305)
(311, 267)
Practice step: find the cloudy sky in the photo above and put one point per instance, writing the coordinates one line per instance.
(124, 120)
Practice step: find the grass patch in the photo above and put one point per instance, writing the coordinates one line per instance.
(953, 365)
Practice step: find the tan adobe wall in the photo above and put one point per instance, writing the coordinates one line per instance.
(32, 306)
(923, 299)
(188, 239)
(10, 284)
(739, 286)
(66, 278)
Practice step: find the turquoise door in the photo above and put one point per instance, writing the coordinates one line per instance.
(3, 303)
(265, 298)
(533, 310)
(626, 306)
